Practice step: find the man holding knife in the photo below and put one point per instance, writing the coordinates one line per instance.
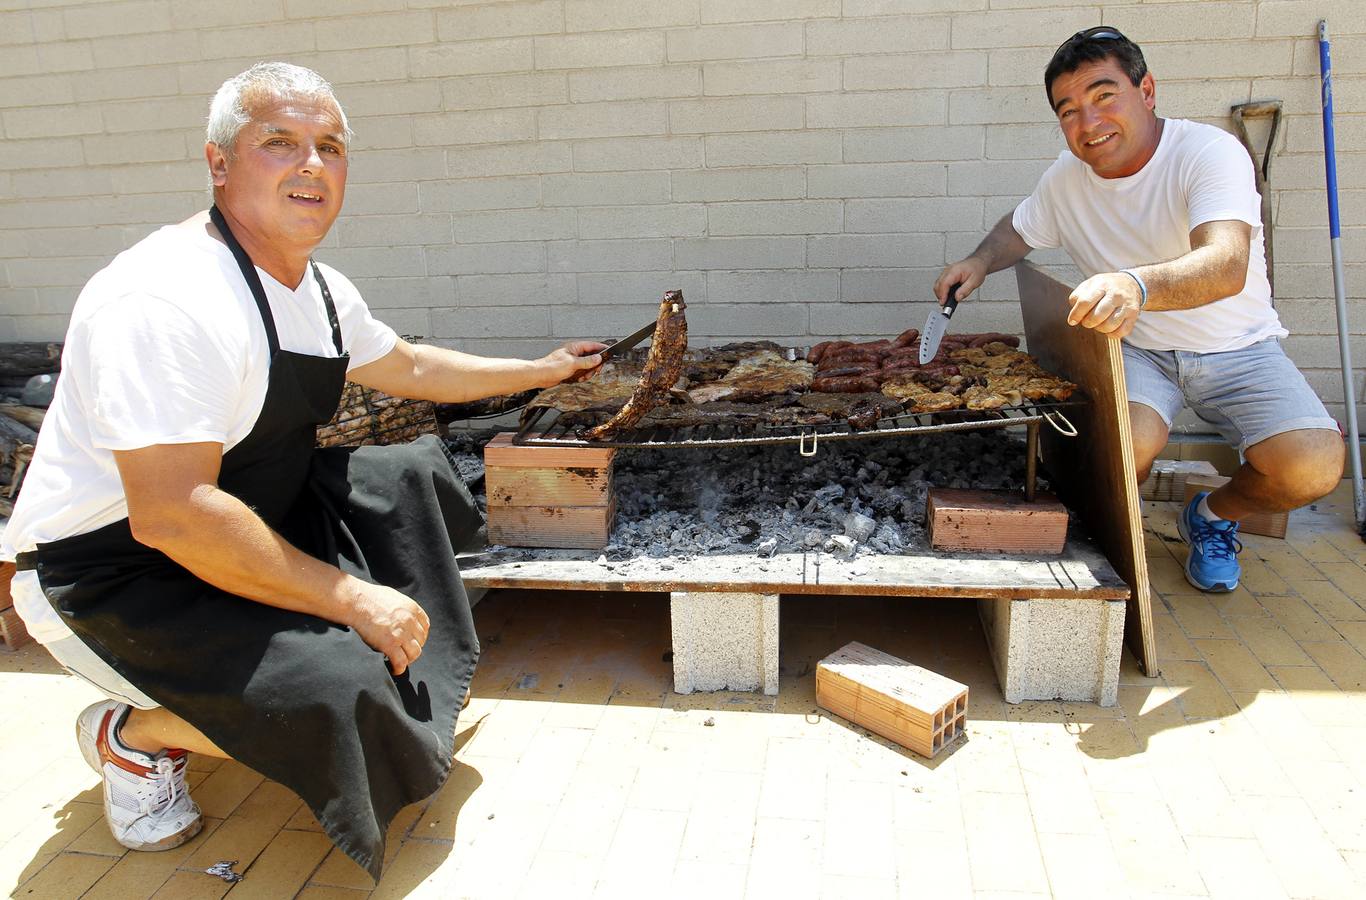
(1163, 217)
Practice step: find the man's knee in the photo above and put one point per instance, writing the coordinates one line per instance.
(1304, 465)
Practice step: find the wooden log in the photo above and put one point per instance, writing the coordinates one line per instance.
(32, 416)
(29, 358)
(1002, 521)
(1094, 473)
(1266, 524)
(918, 709)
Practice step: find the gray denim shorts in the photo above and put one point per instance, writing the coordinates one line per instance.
(1249, 394)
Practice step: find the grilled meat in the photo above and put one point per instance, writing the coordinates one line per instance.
(662, 368)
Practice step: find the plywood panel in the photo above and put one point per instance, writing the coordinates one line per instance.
(1093, 473)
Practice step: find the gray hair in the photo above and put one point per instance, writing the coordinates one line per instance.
(264, 82)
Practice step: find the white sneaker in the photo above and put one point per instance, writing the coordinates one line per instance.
(146, 802)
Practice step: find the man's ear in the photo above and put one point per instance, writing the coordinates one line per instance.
(1148, 88)
(218, 163)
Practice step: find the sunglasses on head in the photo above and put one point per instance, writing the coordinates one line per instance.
(1095, 33)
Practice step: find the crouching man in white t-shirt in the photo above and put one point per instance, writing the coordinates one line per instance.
(1163, 216)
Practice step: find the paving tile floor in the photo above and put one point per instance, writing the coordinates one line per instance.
(1239, 772)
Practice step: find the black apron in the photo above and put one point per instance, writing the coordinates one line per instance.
(301, 700)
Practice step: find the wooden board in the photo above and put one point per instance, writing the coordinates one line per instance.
(1167, 480)
(502, 452)
(1267, 524)
(584, 527)
(13, 634)
(918, 709)
(1094, 472)
(1080, 573)
(527, 486)
(995, 520)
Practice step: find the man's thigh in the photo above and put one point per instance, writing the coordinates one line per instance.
(1252, 394)
(1151, 379)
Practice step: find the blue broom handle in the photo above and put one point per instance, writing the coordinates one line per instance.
(1329, 142)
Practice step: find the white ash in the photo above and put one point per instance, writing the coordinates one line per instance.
(853, 498)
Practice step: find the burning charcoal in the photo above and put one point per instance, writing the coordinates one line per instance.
(813, 538)
(841, 545)
(749, 532)
(859, 527)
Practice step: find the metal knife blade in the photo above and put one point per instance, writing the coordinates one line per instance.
(629, 341)
(616, 349)
(935, 326)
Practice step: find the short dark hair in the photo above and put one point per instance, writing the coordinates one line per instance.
(1094, 45)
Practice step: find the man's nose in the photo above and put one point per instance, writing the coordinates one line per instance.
(312, 162)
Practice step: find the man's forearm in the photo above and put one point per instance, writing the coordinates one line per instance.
(1199, 278)
(449, 376)
(224, 542)
(1002, 247)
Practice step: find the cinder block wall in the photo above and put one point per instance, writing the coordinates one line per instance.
(530, 171)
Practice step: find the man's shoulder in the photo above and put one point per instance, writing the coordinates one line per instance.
(166, 265)
(1191, 137)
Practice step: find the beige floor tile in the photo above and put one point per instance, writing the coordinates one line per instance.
(1083, 866)
(225, 788)
(322, 892)
(556, 873)
(1341, 662)
(1329, 600)
(1354, 633)
(1235, 666)
(1300, 620)
(1157, 865)
(1297, 848)
(857, 887)
(414, 872)
(1172, 642)
(1064, 806)
(786, 859)
(1200, 695)
(794, 783)
(1003, 850)
(143, 874)
(1269, 642)
(1260, 577)
(284, 866)
(713, 880)
(1235, 868)
(24, 855)
(1197, 616)
(192, 885)
(860, 832)
(933, 864)
(66, 875)
(1236, 603)
(1347, 576)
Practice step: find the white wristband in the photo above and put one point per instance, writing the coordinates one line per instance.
(1142, 288)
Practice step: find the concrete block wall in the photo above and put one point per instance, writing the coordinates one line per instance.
(535, 170)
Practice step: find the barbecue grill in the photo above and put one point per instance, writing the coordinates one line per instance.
(807, 438)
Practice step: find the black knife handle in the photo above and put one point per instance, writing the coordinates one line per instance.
(951, 300)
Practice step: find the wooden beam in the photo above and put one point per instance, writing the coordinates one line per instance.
(1093, 473)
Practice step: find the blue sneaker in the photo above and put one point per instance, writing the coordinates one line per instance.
(1213, 561)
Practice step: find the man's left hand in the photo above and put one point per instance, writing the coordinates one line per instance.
(573, 357)
(1107, 302)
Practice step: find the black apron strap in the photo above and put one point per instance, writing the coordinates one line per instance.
(249, 273)
(331, 307)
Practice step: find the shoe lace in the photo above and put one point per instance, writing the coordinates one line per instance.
(164, 787)
(1218, 540)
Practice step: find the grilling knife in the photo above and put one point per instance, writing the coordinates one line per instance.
(616, 349)
(936, 325)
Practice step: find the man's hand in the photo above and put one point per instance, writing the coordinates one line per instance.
(967, 273)
(575, 356)
(1107, 302)
(389, 622)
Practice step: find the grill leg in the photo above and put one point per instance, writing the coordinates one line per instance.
(1031, 458)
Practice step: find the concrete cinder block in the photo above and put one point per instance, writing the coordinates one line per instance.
(501, 91)
(375, 262)
(776, 217)
(635, 83)
(642, 153)
(593, 120)
(914, 144)
(935, 215)
(760, 10)
(1021, 27)
(1024, 104)
(775, 149)
(672, 220)
(713, 185)
(395, 231)
(910, 71)
(1180, 21)
(893, 285)
(748, 320)
(609, 256)
(530, 158)
(771, 76)
(876, 180)
(639, 292)
(606, 189)
(872, 110)
(724, 641)
(495, 20)
(988, 177)
(739, 252)
(515, 290)
(862, 251)
(735, 42)
(611, 15)
(735, 114)
(391, 29)
(586, 51)
(472, 58)
(516, 225)
(486, 259)
(795, 286)
(494, 126)
(886, 34)
(466, 194)
(491, 322)
(1055, 649)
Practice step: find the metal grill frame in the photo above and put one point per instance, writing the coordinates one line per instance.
(808, 437)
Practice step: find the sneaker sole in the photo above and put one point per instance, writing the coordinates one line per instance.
(1218, 587)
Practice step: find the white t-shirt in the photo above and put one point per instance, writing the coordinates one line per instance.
(165, 346)
(1198, 174)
